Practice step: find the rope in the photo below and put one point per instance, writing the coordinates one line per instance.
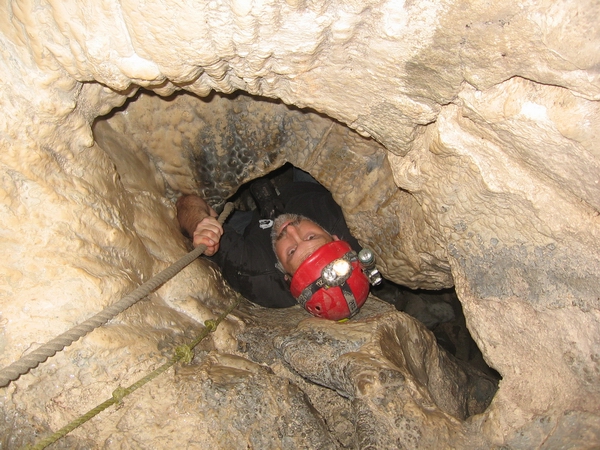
(182, 353)
(33, 359)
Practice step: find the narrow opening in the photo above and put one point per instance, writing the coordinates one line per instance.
(440, 311)
(212, 151)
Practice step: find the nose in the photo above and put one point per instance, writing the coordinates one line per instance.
(292, 233)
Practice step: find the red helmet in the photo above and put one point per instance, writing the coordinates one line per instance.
(330, 283)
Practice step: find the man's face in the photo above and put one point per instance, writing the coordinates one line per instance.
(297, 239)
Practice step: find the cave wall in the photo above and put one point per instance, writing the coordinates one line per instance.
(212, 146)
(482, 122)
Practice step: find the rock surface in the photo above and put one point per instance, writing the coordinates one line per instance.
(461, 141)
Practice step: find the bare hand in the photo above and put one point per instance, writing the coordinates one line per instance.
(199, 221)
(208, 232)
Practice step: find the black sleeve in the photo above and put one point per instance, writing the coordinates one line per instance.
(248, 264)
(248, 261)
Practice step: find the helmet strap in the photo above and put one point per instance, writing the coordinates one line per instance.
(350, 299)
(312, 288)
(309, 291)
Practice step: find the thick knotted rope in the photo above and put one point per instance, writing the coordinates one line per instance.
(33, 359)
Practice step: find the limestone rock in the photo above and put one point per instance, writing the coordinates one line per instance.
(459, 138)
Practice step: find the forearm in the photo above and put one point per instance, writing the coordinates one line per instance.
(191, 210)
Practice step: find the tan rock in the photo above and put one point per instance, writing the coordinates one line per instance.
(475, 164)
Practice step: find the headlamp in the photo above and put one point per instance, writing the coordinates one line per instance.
(367, 258)
(336, 272)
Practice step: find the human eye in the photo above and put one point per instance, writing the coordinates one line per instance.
(310, 237)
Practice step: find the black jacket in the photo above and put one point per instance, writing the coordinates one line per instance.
(248, 261)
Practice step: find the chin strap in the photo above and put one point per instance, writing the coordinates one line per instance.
(320, 283)
(309, 291)
(312, 289)
(350, 299)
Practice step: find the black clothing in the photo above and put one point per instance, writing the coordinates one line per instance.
(248, 261)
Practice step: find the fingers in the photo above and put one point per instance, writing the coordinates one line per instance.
(208, 232)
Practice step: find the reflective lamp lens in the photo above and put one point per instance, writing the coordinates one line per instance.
(341, 267)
